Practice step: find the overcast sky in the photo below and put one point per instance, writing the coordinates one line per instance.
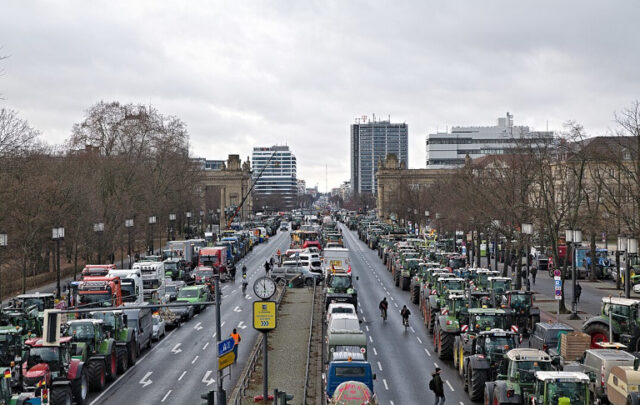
(257, 73)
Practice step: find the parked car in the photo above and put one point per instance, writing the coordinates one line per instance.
(171, 290)
(545, 336)
(158, 327)
(339, 308)
(283, 275)
(194, 294)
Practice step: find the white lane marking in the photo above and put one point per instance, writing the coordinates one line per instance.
(367, 326)
(206, 378)
(145, 380)
(196, 315)
(361, 311)
(222, 324)
(427, 351)
(247, 296)
(370, 340)
(176, 349)
(182, 375)
(232, 291)
(380, 366)
(364, 319)
(436, 365)
(214, 335)
(413, 330)
(391, 403)
(419, 340)
(375, 351)
(241, 325)
(207, 344)
(198, 326)
(396, 304)
(194, 359)
(166, 395)
(386, 387)
(449, 384)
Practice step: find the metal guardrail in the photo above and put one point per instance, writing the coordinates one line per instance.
(306, 376)
(243, 383)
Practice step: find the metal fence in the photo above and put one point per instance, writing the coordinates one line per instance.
(306, 376)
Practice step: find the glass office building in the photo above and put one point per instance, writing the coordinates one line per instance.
(279, 177)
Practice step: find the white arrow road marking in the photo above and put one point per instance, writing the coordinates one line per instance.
(247, 296)
(194, 359)
(237, 309)
(145, 381)
(166, 395)
(241, 325)
(206, 378)
(182, 375)
(198, 326)
(176, 349)
(385, 384)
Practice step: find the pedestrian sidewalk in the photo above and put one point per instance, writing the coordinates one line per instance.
(288, 348)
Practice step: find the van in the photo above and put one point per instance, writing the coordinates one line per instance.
(623, 385)
(340, 371)
(141, 321)
(599, 362)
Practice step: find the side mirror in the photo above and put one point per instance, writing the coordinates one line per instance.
(374, 376)
(636, 364)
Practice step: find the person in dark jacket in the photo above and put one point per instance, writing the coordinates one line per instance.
(578, 292)
(437, 387)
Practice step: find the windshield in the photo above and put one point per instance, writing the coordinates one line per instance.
(81, 331)
(132, 323)
(171, 288)
(498, 344)
(156, 320)
(209, 261)
(95, 300)
(526, 370)
(151, 284)
(575, 391)
(204, 273)
(340, 282)
(520, 300)
(456, 263)
(350, 372)
(454, 285)
(39, 355)
(501, 286)
(28, 302)
(342, 310)
(488, 322)
(187, 293)
(108, 318)
(170, 266)
(128, 291)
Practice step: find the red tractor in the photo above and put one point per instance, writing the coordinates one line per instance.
(51, 368)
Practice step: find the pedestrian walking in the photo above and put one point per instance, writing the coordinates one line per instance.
(534, 272)
(578, 292)
(236, 342)
(437, 387)
(267, 267)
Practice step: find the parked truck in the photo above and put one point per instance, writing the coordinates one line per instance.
(153, 280)
(130, 284)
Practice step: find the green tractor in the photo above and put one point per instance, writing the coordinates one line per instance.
(524, 314)
(482, 278)
(519, 382)
(115, 324)
(447, 325)
(618, 317)
(499, 286)
(437, 297)
(560, 387)
(483, 359)
(398, 269)
(410, 267)
(25, 319)
(417, 282)
(11, 346)
(92, 345)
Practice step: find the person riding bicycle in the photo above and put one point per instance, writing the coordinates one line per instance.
(383, 307)
(404, 312)
(244, 271)
(244, 282)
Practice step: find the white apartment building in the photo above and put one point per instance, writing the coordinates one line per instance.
(280, 174)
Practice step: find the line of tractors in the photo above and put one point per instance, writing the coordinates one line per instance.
(477, 321)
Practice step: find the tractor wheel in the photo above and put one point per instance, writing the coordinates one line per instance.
(123, 361)
(80, 388)
(97, 378)
(415, 294)
(405, 283)
(599, 333)
(435, 338)
(432, 320)
(478, 380)
(132, 352)
(445, 343)
(112, 365)
(396, 278)
(460, 364)
(455, 353)
(60, 395)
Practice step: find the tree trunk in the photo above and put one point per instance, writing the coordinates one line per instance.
(593, 257)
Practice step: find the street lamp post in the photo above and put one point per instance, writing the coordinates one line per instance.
(98, 228)
(152, 222)
(188, 214)
(632, 250)
(496, 226)
(3, 244)
(128, 223)
(573, 237)
(527, 229)
(172, 221)
(202, 223)
(57, 234)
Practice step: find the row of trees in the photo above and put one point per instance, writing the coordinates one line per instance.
(568, 182)
(120, 162)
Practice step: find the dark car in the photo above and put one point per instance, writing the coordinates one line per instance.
(545, 336)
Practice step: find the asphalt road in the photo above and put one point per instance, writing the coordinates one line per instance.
(402, 360)
(183, 365)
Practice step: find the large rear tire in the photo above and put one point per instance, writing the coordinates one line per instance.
(60, 395)
(445, 343)
(123, 361)
(112, 365)
(405, 283)
(132, 352)
(598, 333)
(478, 380)
(96, 372)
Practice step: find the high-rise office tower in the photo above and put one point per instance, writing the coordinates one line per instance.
(279, 179)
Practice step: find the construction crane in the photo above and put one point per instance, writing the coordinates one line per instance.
(244, 199)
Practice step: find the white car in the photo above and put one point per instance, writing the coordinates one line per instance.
(340, 308)
(158, 327)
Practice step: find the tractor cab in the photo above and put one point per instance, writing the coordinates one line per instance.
(499, 285)
(485, 319)
(560, 387)
(482, 278)
(622, 316)
(443, 285)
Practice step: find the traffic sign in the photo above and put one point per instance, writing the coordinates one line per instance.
(558, 295)
(264, 315)
(225, 346)
(556, 273)
(558, 283)
(226, 360)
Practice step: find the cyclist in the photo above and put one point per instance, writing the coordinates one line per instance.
(404, 312)
(244, 271)
(383, 308)
(244, 282)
